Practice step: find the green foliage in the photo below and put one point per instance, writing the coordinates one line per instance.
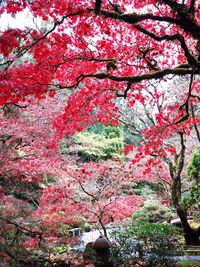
(20, 190)
(143, 189)
(139, 188)
(149, 244)
(153, 211)
(94, 146)
(63, 230)
(90, 253)
(188, 263)
(61, 249)
(85, 227)
(46, 180)
(96, 128)
(196, 217)
(192, 199)
(149, 190)
(193, 169)
(112, 132)
(130, 138)
(151, 232)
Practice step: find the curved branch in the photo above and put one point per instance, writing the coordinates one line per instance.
(191, 59)
(185, 21)
(132, 18)
(133, 79)
(195, 125)
(24, 230)
(186, 17)
(180, 164)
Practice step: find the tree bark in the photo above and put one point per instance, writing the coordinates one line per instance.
(191, 235)
(103, 227)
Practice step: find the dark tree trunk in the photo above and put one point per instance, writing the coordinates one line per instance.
(103, 227)
(191, 235)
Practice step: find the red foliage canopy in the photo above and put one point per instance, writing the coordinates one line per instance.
(126, 51)
(99, 58)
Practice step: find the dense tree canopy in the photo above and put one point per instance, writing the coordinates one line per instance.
(86, 62)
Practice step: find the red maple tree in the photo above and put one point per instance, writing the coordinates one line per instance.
(99, 52)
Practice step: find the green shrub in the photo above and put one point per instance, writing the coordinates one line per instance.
(96, 147)
(153, 211)
(191, 199)
(193, 169)
(61, 249)
(85, 227)
(196, 217)
(188, 263)
(148, 244)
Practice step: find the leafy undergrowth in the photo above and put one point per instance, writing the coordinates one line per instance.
(73, 259)
(188, 263)
(194, 224)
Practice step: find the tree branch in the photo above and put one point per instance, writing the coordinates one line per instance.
(23, 51)
(191, 59)
(195, 125)
(24, 230)
(185, 20)
(132, 18)
(138, 78)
